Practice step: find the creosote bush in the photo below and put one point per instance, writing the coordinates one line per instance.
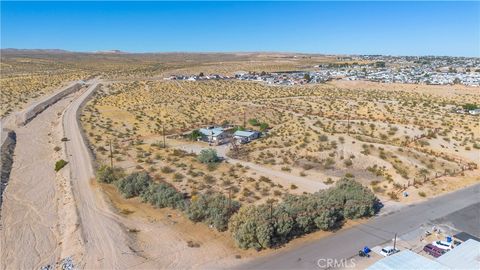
(107, 174)
(208, 156)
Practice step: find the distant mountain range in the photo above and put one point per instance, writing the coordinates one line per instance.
(56, 51)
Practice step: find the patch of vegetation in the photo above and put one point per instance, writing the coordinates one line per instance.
(208, 156)
(60, 164)
(268, 225)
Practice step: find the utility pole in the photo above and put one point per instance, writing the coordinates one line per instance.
(245, 118)
(163, 131)
(348, 124)
(395, 241)
(229, 199)
(111, 154)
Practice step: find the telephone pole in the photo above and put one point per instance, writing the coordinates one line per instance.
(244, 118)
(348, 123)
(111, 154)
(395, 242)
(163, 131)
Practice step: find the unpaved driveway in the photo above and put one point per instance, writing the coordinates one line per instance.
(285, 179)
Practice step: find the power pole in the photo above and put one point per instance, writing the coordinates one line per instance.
(163, 131)
(395, 242)
(111, 154)
(229, 199)
(348, 124)
(244, 119)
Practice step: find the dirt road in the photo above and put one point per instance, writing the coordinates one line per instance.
(285, 179)
(106, 242)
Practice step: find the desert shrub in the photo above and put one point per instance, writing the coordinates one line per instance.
(266, 226)
(213, 209)
(163, 195)
(263, 126)
(107, 174)
(166, 169)
(195, 135)
(208, 156)
(60, 164)
(134, 184)
(253, 122)
(251, 228)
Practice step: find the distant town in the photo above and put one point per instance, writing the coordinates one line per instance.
(375, 68)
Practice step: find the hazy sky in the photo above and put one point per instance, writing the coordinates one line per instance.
(397, 28)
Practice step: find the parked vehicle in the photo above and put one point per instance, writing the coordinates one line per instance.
(434, 251)
(387, 251)
(443, 245)
(364, 252)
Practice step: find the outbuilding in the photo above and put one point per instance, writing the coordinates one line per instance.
(245, 136)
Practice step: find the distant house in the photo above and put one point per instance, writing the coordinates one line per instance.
(213, 135)
(246, 136)
(474, 112)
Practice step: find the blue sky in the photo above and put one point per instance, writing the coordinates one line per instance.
(397, 28)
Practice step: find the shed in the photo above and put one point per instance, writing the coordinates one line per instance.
(246, 136)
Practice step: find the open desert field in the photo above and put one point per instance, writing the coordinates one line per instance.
(397, 142)
(391, 139)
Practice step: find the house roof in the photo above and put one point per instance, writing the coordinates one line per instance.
(463, 236)
(211, 131)
(464, 256)
(406, 259)
(242, 133)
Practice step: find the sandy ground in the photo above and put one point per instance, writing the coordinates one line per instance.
(306, 184)
(30, 225)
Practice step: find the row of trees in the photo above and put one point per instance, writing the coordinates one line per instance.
(253, 226)
(212, 209)
(268, 225)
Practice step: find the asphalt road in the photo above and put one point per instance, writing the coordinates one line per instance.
(379, 230)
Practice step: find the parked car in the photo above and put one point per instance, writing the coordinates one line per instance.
(434, 251)
(387, 251)
(443, 245)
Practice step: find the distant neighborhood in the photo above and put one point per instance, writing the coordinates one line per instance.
(385, 69)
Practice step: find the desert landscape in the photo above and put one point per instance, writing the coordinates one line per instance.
(329, 155)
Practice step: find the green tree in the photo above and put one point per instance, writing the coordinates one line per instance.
(134, 184)
(263, 126)
(208, 156)
(194, 135)
(107, 174)
(253, 122)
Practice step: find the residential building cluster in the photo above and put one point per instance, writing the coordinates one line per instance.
(376, 68)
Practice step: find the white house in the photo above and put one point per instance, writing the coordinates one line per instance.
(246, 136)
(214, 135)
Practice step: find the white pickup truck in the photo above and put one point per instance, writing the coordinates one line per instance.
(387, 251)
(443, 245)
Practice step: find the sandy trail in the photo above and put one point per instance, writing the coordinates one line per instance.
(29, 225)
(106, 242)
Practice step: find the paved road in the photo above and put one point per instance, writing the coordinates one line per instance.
(106, 244)
(377, 231)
